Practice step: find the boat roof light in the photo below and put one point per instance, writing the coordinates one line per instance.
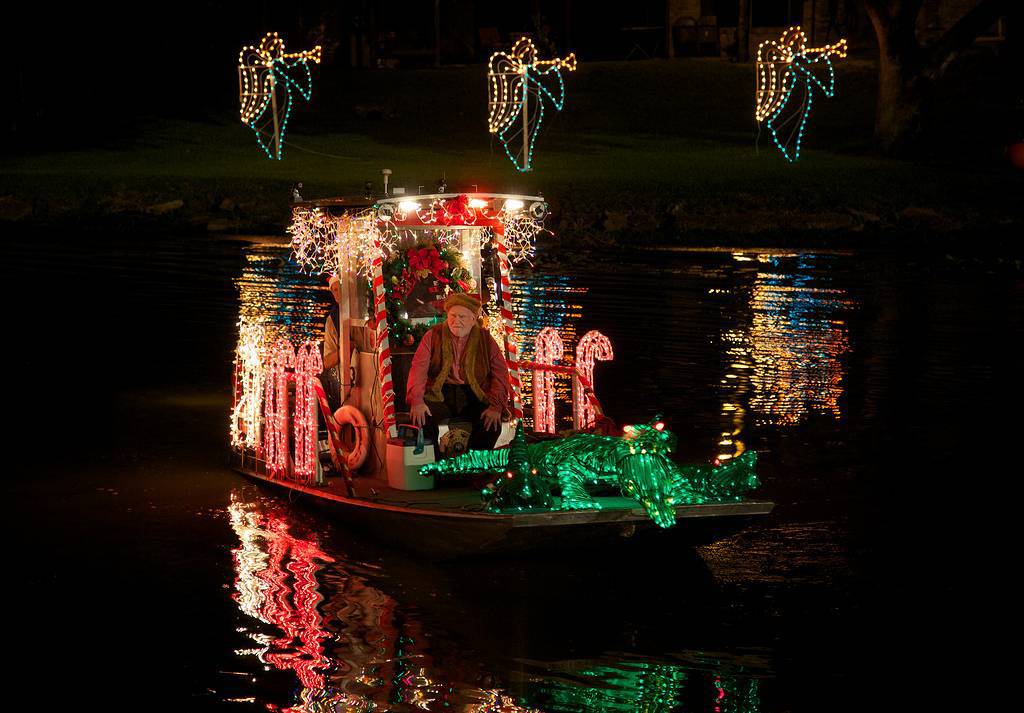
(474, 195)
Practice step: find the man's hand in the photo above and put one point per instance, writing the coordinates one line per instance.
(492, 419)
(419, 413)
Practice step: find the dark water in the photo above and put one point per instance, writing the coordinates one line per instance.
(878, 390)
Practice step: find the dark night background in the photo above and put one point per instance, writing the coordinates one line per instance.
(108, 65)
(129, 195)
(85, 73)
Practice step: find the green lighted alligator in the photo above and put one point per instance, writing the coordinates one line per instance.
(637, 462)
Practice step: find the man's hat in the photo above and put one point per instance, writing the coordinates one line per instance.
(461, 299)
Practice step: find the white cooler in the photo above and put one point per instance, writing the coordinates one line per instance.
(404, 464)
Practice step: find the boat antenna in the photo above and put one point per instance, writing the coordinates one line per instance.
(386, 172)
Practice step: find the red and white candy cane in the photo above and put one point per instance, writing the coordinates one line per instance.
(275, 407)
(308, 365)
(592, 346)
(333, 429)
(547, 349)
(380, 315)
(334, 445)
(508, 318)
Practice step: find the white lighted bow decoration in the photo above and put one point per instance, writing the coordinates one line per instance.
(516, 93)
(266, 77)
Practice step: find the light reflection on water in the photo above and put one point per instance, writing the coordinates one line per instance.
(353, 647)
(781, 328)
(774, 330)
(784, 354)
(543, 300)
(273, 290)
(896, 384)
(376, 647)
(276, 584)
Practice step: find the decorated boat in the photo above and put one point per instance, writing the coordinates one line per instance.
(346, 443)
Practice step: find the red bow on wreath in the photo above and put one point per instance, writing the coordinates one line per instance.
(427, 261)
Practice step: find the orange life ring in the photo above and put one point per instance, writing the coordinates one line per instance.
(356, 451)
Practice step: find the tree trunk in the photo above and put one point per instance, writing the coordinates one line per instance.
(903, 104)
(901, 88)
(904, 99)
(907, 72)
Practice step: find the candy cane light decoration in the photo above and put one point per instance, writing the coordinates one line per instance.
(547, 349)
(265, 72)
(593, 346)
(516, 93)
(308, 365)
(275, 407)
(788, 70)
(249, 370)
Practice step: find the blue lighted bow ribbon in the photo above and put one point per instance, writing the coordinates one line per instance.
(801, 82)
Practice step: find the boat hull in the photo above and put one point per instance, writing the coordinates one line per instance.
(449, 531)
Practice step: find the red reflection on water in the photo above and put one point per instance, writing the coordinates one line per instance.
(276, 583)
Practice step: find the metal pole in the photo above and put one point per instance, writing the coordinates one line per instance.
(577, 402)
(344, 322)
(526, 120)
(273, 110)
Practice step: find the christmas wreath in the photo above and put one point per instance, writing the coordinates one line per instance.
(420, 277)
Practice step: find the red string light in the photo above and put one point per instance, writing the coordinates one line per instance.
(547, 349)
(275, 407)
(308, 364)
(593, 346)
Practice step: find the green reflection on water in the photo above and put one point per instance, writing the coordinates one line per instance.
(646, 687)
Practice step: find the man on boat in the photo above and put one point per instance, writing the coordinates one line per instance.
(459, 372)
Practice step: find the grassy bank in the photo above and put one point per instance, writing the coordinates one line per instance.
(655, 150)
